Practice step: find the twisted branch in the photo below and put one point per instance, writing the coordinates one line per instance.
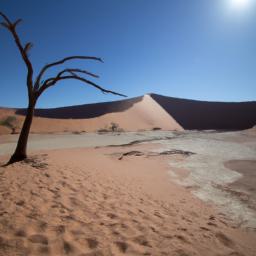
(52, 81)
(36, 89)
(47, 66)
(23, 51)
(68, 70)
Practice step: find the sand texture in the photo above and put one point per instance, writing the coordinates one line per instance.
(108, 201)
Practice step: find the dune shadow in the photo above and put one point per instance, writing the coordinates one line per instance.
(190, 114)
(84, 111)
(203, 115)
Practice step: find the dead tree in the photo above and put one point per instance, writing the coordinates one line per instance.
(37, 86)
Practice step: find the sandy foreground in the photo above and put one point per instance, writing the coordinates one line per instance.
(109, 201)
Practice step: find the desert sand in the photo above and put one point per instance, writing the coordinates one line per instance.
(100, 201)
(217, 166)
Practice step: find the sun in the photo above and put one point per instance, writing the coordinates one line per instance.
(240, 4)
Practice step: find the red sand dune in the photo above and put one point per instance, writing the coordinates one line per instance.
(140, 113)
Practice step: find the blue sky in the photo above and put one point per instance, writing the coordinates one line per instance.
(197, 49)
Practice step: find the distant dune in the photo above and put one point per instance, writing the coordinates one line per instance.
(203, 115)
(141, 113)
(85, 111)
(147, 112)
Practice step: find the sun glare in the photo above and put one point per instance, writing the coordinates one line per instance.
(240, 4)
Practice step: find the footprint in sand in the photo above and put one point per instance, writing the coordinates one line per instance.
(21, 233)
(210, 223)
(157, 214)
(224, 239)
(236, 254)
(142, 241)
(182, 238)
(44, 249)
(67, 247)
(181, 252)
(204, 228)
(20, 202)
(153, 229)
(77, 232)
(92, 243)
(60, 229)
(38, 239)
(94, 253)
(42, 225)
(122, 246)
(112, 215)
(74, 201)
(47, 175)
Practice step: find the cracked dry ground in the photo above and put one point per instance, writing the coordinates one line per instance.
(87, 202)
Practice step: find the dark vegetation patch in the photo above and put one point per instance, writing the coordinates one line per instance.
(37, 162)
(113, 127)
(10, 122)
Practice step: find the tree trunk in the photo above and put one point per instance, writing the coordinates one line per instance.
(21, 148)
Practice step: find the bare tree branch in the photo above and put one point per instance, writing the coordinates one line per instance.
(11, 26)
(4, 24)
(52, 81)
(5, 18)
(17, 22)
(74, 70)
(28, 47)
(44, 69)
(68, 70)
